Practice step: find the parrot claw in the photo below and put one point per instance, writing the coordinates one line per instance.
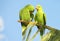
(33, 23)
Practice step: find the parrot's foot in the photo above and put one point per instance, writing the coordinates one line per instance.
(33, 23)
(40, 26)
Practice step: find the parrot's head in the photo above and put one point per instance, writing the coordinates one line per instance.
(38, 7)
(30, 8)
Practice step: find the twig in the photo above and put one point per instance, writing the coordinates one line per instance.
(22, 21)
(34, 23)
(50, 28)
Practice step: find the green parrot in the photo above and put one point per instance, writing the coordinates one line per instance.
(26, 14)
(40, 18)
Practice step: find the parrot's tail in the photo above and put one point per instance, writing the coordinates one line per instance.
(42, 30)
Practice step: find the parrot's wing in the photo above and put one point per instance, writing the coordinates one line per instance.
(44, 18)
(24, 15)
(35, 18)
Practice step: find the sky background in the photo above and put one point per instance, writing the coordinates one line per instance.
(9, 11)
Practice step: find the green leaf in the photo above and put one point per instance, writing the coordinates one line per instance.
(34, 35)
(30, 30)
(52, 36)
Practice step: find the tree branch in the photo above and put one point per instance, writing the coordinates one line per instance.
(34, 23)
(25, 22)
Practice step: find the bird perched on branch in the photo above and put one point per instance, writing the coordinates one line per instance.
(26, 14)
(40, 18)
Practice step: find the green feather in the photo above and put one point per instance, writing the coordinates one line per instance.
(40, 18)
(26, 15)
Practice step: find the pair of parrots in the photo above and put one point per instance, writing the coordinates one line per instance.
(27, 15)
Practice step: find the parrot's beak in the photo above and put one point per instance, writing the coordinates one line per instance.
(31, 12)
(36, 8)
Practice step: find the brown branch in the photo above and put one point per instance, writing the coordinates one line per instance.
(23, 21)
(34, 23)
(50, 28)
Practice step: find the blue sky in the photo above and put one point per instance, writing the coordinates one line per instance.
(9, 10)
